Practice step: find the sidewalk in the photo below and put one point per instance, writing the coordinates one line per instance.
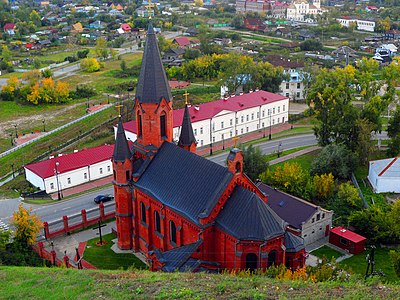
(293, 155)
(83, 187)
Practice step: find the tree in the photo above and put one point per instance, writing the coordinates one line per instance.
(365, 145)
(394, 133)
(237, 21)
(198, 3)
(324, 185)
(35, 18)
(311, 45)
(82, 53)
(267, 77)
(235, 71)
(32, 77)
(395, 258)
(335, 159)
(101, 48)
(254, 162)
(27, 225)
(90, 65)
(6, 54)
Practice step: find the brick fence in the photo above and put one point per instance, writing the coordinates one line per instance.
(51, 256)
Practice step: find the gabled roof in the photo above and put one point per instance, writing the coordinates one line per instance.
(9, 26)
(247, 217)
(186, 137)
(293, 243)
(293, 210)
(121, 149)
(182, 181)
(179, 258)
(389, 167)
(153, 83)
(72, 161)
(347, 234)
(208, 110)
(182, 41)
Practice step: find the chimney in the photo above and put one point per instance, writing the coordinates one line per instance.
(60, 154)
(51, 156)
(75, 151)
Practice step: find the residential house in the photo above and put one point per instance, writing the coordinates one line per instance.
(255, 24)
(125, 27)
(392, 34)
(384, 175)
(77, 28)
(9, 28)
(97, 25)
(305, 34)
(182, 42)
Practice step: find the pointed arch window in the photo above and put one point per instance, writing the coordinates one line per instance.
(172, 232)
(140, 127)
(143, 212)
(157, 222)
(163, 125)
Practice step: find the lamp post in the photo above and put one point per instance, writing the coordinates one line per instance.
(11, 139)
(12, 167)
(44, 125)
(270, 126)
(87, 104)
(108, 98)
(223, 142)
(58, 185)
(16, 131)
(279, 149)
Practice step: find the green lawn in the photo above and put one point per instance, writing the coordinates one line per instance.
(327, 252)
(105, 258)
(358, 264)
(305, 161)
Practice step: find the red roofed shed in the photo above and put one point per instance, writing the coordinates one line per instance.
(181, 41)
(347, 240)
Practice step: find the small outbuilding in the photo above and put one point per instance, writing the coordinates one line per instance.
(384, 175)
(347, 240)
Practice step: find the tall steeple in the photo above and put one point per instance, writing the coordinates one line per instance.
(186, 138)
(153, 84)
(121, 148)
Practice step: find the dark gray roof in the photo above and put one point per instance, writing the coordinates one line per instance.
(293, 243)
(121, 148)
(179, 258)
(247, 217)
(232, 153)
(186, 137)
(189, 184)
(153, 83)
(291, 209)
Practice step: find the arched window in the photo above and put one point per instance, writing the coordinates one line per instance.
(157, 222)
(128, 176)
(251, 261)
(163, 126)
(143, 212)
(238, 167)
(272, 258)
(140, 128)
(172, 231)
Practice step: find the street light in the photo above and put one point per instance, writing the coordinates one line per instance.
(11, 139)
(58, 185)
(279, 149)
(223, 143)
(16, 131)
(44, 125)
(87, 104)
(108, 98)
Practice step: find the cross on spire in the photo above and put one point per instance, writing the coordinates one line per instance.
(119, 109)
(186, 94)
(149, 7)
(235, 139)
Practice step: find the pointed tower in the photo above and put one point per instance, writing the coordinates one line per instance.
(153, 105)
(186, 139)
(122, 166)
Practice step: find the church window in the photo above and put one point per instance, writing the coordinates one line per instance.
(52, 186)
(101, 170)
(143, 212)
(140, 131)
(108, 169)
(115, 175)
(84, 175)
(172, 231)
(69, 180)
(238, 167)
(128, 177)
(157, 222)
(163, 127)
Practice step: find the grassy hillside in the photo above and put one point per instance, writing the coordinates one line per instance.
(42, 283)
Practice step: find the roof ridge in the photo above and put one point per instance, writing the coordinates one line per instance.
(388, 166)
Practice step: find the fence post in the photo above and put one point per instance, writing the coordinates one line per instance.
(40, 249)
(46, 230)
(66, 259)
(66, 228)
(84, 218)
(101, 206)
(53, 256)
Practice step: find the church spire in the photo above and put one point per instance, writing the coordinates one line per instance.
(153, 84)
(121, 148)
(187, 139)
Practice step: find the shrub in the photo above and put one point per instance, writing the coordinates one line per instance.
(90, 65)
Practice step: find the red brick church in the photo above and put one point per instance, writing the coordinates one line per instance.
(181, 210)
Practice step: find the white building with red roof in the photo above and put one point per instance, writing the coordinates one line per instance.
(384, 175)
(68, 170)
(223, 119)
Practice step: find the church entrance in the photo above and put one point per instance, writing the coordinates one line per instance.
(272, 258)
(251, 261)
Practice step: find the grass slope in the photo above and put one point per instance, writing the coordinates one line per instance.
(52, 283)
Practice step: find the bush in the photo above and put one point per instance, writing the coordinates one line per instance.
(90, 65)
(83, 91)
(122, 87)
(81, 54)
(71, 59)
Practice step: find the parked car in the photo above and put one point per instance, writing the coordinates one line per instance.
(103, 198)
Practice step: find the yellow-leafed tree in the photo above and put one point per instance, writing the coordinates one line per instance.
(27, 225)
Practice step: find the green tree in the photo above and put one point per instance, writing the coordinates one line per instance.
(365, 145)
(254, 162)
(394, 133)
(35, 18)
(395, 258)
(101, 49)
(235, 71)
(335, 159)
(6, 54)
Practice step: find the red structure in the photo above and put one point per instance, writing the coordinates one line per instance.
(181, 210)
(347, 240)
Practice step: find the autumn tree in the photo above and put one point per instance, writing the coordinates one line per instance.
(90, 65)
(8, 92)
(35, 18)
(101, 48)
(324, 186)
(27, 225)
(48, 91)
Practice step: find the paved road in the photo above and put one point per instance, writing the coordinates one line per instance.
(69, 207)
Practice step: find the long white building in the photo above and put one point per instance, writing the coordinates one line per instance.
(68, 170)
(223, 119)
(300, 8)
(365, 25)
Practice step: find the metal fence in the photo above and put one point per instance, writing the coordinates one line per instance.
(355, 182)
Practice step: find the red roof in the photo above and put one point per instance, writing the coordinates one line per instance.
(347, 234)
(29, 46)
(176, 84)
(208, 110)
(182, 41)
(125, 27)
(9, 26)
(72, 161)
